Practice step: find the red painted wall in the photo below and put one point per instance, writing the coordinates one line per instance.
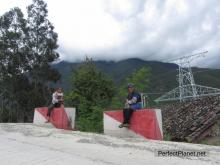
(143, 122)
(58, 117)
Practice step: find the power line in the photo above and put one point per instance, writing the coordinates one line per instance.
(187, 88)
(189, 56)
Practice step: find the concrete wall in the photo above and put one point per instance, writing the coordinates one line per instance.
(146, 123)
(63, 118)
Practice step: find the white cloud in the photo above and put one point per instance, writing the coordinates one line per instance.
(148, 29)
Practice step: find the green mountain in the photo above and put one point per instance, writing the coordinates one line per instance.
(163, 75)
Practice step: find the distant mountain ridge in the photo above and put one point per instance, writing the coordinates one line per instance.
(163, 75)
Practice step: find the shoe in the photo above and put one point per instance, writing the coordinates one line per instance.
(121, 125)
(47, 121)
(126, 125)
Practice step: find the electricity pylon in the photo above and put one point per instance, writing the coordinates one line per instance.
(187, 88)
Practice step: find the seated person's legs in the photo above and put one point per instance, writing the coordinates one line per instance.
(57, 105)
(127, 115)
(50, 108)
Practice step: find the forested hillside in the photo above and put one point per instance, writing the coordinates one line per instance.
(162, 78)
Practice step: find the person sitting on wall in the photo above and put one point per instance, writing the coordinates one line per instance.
(57, 101)
(133, 102)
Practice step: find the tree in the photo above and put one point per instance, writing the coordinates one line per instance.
(13, 60)
(27, 48)
(42, 44)
(140, 78)
(41, 50)
(92, 92)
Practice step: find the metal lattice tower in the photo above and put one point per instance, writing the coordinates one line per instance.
(187, 88)
(185, 76)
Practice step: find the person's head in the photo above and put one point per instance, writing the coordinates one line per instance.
(59, 90)
(130, 88)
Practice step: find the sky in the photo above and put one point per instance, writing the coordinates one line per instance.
(147, 29)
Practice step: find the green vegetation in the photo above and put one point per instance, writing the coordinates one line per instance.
(91, 94)
(27, 50)
(162, 76)
(7, 115)
(166, 136)
(27, 47)
(140, 78)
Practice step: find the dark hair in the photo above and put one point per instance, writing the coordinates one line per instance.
(57, 88)
(130, 85)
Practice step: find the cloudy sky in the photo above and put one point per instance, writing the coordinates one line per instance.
(147, 29)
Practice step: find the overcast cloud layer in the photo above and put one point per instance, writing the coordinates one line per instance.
(147, 29)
